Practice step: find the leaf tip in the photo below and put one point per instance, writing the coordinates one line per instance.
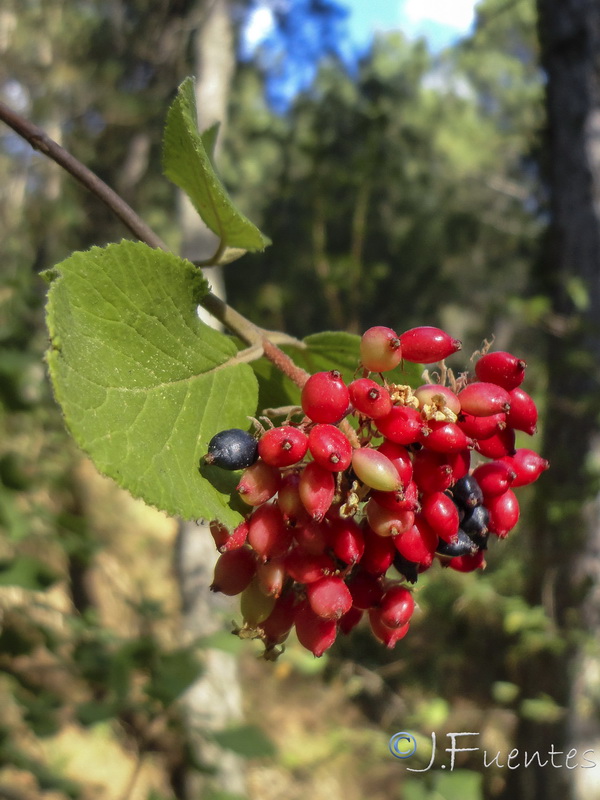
(50, 275)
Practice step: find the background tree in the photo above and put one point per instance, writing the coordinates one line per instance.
(564, 556)
(383, 175)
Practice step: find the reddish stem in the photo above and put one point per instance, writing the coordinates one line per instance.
(283, 362)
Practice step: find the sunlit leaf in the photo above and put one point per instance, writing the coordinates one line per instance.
(187, 161)
(143, 383)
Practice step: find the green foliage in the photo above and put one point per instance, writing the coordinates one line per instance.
(172, 674)
(188, 163)
(28, 573)
(143, 383)
(246, 740)
(542, 709)
(459, 784)
(396, 197)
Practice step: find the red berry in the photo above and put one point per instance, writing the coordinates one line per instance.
(432, 471)
(289, 502)
(258, 483)
(350, 620)
(387, 636)
(369, 398)
(346, 540)
(233, 571)
(388, 523)
(441, 514)
(224, 540)
(494, 477)
(312, 537)
(316, 488)
(504, 513)
(379, 553)
(402, 425)
(268, 535)
(396, 606)
(419, 543)
(481, 427)
(469, 562)
(523, 412)
(443, 437)
(315, 633)
(282, 447)
(426, 345)
(460, 463)
(483, 399)
(325, 397)
(527, 465)
(380, 349)
(329, 597)
(305, 567)
(365, 588)
(375, 470)
(406, 499)
(499, 445)
(502, 368)
(330, 448)
(271, 576)
(400, 458)
(280, 621)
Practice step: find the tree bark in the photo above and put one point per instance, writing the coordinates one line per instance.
(214, 702)
(565, 555)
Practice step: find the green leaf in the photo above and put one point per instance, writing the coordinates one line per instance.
(341, 351)
(221, 640)
(542, 709)
(93, 712)
(329, 350)
(13, 522)
(143, 383)
(172, 674)
(246, 740)
(187, 161)
(28, 573)
(41, 709)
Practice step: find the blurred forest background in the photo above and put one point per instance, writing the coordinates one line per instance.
(400, 188)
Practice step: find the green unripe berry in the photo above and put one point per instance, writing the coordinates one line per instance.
(375, 470)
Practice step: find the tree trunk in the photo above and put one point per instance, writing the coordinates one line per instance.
(214, 50)
(565, 557)
(214, 702)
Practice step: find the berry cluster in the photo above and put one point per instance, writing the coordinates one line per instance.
(334, 505)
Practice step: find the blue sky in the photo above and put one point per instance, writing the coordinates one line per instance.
(440, 21)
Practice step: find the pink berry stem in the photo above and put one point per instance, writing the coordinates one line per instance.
(284, 363)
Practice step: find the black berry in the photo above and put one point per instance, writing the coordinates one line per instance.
(408, 569)
(476, 520)
(467, 492)
(232, 449)
(461, 547)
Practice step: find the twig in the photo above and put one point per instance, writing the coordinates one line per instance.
(40, 140)
(250, 333)
(285, 363)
